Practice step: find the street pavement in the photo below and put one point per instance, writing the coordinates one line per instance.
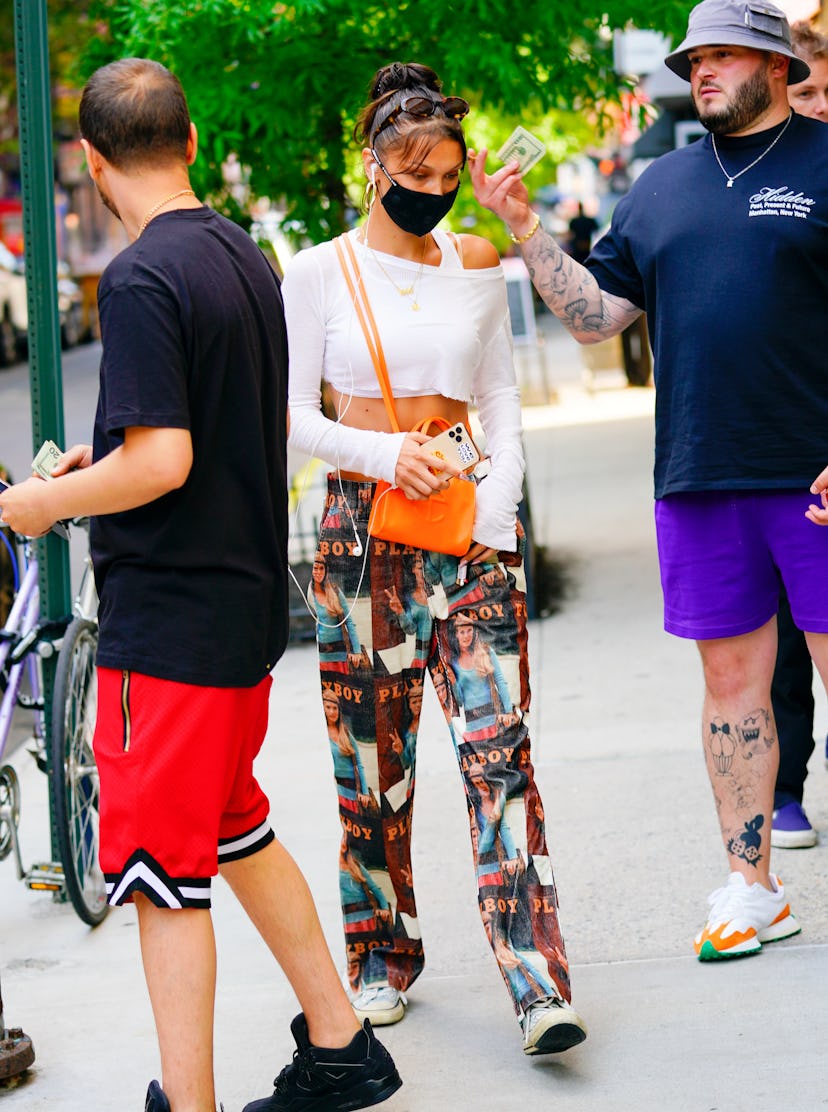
(631, 828)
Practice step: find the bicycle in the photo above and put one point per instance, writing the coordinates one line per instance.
(25, 641)
(74, 772)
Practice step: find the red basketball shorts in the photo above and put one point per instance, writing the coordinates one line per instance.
(178, 794)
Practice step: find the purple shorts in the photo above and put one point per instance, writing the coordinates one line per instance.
(724, 553)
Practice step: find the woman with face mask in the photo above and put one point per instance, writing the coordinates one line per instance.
(441, 312)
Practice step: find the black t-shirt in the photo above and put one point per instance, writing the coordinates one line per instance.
(735, 285)
(193, 586)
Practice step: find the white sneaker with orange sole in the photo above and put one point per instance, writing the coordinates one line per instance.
(742, 917)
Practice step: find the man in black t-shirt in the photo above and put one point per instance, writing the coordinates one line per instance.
(720, 243)
(186, 484)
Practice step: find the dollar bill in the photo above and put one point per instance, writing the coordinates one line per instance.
(46, 459)
(522, 147)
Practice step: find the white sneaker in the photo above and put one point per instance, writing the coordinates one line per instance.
(550, 1026)
(381, 1004)
(742, 917)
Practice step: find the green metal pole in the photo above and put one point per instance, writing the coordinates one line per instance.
(38, 181)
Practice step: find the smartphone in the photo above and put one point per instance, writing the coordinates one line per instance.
(456, 445)
(59, 527)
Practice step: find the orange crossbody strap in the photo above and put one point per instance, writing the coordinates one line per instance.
(369, 325)
(371, 341)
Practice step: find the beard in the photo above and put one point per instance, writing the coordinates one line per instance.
(108, 202)
(748, 101)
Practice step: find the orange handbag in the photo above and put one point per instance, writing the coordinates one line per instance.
(442, 522)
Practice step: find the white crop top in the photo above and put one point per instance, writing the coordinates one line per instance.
(459, 345)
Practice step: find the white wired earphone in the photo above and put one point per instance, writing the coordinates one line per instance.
(358, 549)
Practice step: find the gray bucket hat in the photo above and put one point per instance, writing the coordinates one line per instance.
(755, 23)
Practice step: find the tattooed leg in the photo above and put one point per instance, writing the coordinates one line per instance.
(740, 744)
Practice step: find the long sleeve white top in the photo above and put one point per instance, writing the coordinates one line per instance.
(459, 345)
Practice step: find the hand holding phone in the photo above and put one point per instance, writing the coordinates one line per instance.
(454, 445)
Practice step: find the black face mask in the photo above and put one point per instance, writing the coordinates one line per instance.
(413, 211)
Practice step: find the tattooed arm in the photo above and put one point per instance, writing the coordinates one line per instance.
(569, 289)
(571, 292)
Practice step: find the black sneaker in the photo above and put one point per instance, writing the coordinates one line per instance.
(358, 1075)
(156, 1099)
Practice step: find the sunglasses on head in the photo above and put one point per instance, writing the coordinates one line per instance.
(455, 108)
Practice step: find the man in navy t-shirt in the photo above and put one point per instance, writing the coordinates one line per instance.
(724, 244)
(186, 485)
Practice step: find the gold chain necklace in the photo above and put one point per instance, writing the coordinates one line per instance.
(166, 201)
(732, 178)
(403, 291)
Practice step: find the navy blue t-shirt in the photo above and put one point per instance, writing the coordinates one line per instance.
(735, 285)
(193, 586)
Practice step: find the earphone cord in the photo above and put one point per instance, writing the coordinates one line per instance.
(358, 548)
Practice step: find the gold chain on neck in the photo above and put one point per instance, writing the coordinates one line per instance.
(166, 201)
(403, 291)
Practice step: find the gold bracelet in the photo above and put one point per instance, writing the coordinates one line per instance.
(529, 234)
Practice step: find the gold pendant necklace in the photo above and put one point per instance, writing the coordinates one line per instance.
(404, 291)
(166, 201)
(731, 178)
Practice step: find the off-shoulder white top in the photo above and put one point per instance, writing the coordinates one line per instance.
(458, 344)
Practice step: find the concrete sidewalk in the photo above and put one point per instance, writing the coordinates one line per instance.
(632, 832)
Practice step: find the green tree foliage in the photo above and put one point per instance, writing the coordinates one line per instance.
(279, 84)
(70, 28)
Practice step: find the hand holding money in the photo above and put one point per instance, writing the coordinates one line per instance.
(46, 460)
(524, 148)
(73, 459)
(502, 192)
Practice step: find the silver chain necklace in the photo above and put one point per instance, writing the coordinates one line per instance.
(731, 178)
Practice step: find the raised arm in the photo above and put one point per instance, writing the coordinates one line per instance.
(568, 289)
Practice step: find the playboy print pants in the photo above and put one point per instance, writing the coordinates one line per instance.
(387, 615)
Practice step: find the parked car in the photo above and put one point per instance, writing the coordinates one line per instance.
(14, 313)
(14, 322)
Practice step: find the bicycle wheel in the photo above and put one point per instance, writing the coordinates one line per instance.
(75, 775)
(10, 809)
(8, 576)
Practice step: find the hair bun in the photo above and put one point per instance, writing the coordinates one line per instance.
(404, 75)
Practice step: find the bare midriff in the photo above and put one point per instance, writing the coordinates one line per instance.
(370, 413)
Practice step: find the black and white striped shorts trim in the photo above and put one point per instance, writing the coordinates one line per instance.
(244, 845)
(142, 873)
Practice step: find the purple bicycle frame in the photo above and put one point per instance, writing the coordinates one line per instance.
(22, 619)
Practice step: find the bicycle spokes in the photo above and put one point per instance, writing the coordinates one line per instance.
(9, 810)
(75, 771)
